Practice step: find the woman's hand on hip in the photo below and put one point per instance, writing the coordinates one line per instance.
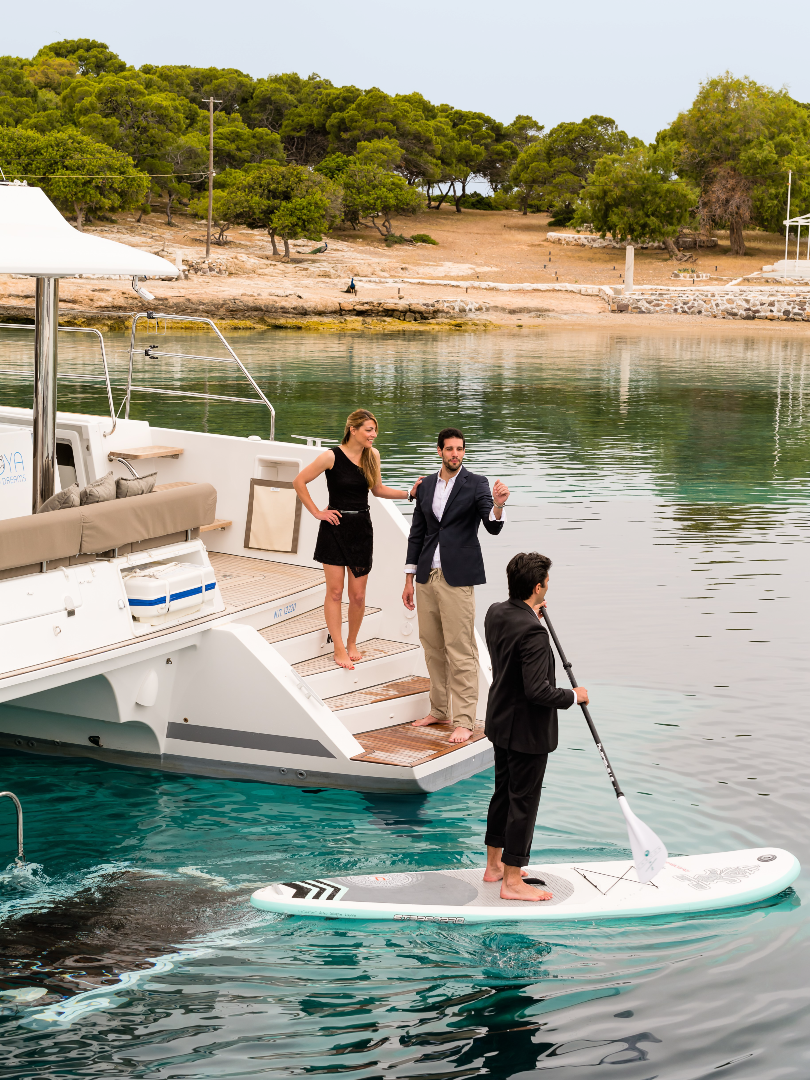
(332, 516)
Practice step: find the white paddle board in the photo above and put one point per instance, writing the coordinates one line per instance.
(581, 890)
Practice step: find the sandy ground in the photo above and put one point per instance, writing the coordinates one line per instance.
(249, 286)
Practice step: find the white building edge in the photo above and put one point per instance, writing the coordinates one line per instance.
(234, 678)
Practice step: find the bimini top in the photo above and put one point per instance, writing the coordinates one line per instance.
(35, 239)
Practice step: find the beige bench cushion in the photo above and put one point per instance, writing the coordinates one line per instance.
(40, 538)
(113, 524)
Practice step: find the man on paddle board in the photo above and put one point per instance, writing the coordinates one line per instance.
(521, 721)
(444, 556)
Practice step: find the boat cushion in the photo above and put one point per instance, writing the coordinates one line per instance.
(110, 525)
(62, 500)
(101, 490)
(39, 538)
(127, 486)
(87, 530)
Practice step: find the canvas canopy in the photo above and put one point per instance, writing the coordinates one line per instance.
(35, 239)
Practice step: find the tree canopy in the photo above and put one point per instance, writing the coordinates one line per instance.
(552, 169)
(737, 142)
(77, 173)
(294, 152)
(636, 196)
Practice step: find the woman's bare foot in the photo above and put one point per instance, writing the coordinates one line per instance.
(342, 659)
(426, 721)
(353, 652)
(514, 888)
(461, 734)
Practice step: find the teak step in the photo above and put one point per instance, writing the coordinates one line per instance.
(217, 523)
(372, 649)
(139, 453)
(307, 623)
(415, 684)
(407, 745)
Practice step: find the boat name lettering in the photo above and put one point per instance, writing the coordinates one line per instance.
(12, 468)
(431, 918)
(287, 609)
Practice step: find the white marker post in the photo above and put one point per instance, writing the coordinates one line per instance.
(629, 259)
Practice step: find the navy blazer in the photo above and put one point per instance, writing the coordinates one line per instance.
(468, 506)
(524, 697)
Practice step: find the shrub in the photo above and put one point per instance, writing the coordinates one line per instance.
(474, 200)
(423, 238)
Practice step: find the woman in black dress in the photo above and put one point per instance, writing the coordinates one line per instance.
(345, 538)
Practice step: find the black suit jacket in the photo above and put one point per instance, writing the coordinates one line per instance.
(468, 505)
(523, 698)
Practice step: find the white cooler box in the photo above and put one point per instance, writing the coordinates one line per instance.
(166, 589)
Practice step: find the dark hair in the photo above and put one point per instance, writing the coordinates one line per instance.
(449, 433)
(524, 572)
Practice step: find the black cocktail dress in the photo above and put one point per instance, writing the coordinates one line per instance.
(351, 542)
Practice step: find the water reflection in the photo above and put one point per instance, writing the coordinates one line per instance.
(681, 416)
(667, 477)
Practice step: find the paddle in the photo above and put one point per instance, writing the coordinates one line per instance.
(649, 853)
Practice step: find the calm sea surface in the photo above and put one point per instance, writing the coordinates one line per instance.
(668, 477)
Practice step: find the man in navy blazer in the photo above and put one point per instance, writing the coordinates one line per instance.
(444, 556)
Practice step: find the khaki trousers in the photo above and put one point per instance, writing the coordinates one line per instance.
(447, 632)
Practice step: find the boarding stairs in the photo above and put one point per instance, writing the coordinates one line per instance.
(378, 701)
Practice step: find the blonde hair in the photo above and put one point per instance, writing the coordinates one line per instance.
(368, 460)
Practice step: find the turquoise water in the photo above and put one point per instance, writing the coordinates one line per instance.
(667, 476)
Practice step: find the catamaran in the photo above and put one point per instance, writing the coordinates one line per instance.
(182, 628)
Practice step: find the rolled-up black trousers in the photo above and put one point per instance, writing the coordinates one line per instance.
(513, 809)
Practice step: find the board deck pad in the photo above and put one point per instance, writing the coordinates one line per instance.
(582, 890)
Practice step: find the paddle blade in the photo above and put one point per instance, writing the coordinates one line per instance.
(649, 853)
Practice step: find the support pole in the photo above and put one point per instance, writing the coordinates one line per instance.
(210, 176)
(45, 360)
(212, 101)
(787, 226)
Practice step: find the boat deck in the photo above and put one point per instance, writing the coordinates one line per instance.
(408, 746)
(307, 623)
(246, 582)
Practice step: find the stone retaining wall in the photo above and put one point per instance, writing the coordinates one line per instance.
(594, 240)
(791, 304)
(296, 307)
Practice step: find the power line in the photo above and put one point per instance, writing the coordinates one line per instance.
(103, 176)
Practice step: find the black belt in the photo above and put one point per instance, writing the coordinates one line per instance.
(366, 511)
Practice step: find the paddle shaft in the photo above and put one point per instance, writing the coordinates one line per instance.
(567, 665)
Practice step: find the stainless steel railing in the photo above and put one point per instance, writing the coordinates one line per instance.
(20, 853)
(154, 352)
(105, 378)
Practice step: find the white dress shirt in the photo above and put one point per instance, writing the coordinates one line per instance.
(440, 497)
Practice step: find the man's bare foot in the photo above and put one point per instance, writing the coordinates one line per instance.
(461, 734)
(426, 721)
(521, 891)
(496, 874)
(353, 652)
(342, 659)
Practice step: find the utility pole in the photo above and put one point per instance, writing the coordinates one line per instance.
(211, 103)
